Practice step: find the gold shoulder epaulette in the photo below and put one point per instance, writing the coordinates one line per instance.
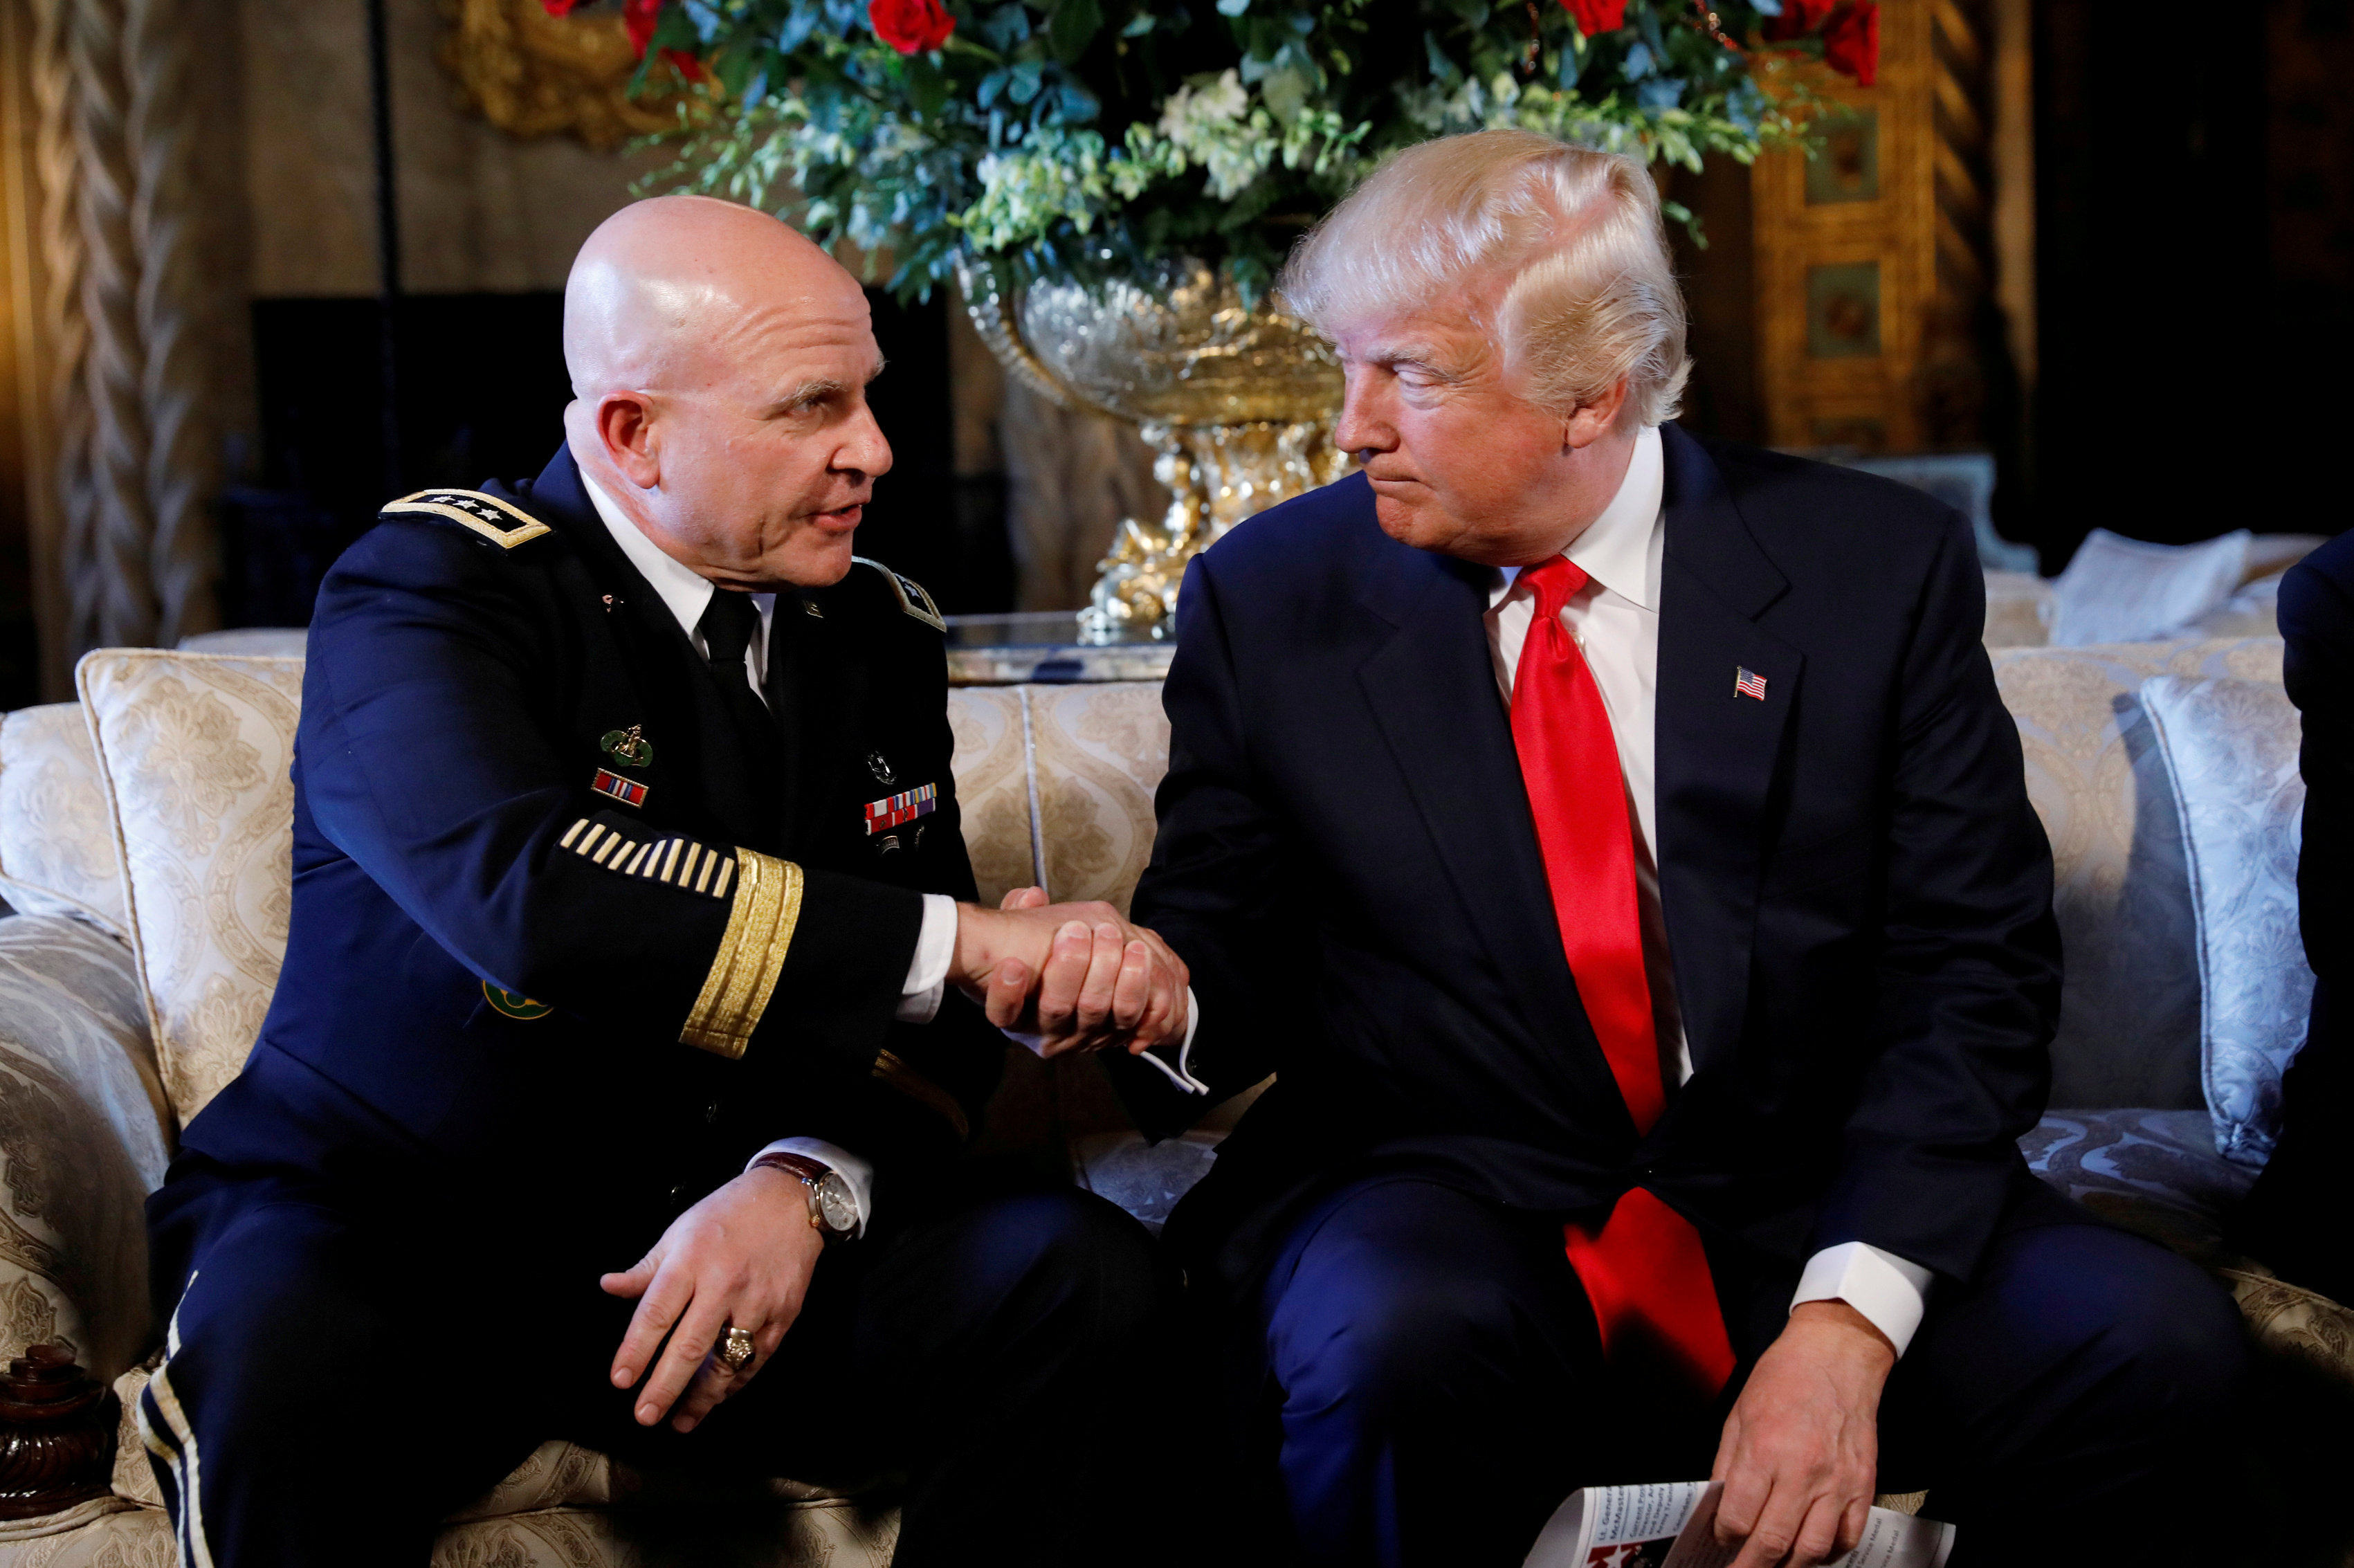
(910, 595)
(493, 519)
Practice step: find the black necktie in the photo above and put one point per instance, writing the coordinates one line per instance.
(729, 623)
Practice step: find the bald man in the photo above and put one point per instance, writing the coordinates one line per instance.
(636, 1010)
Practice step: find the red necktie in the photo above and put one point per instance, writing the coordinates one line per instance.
(1643, 1269)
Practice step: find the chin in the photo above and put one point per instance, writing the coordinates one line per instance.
(818, 562)
(1410, 525)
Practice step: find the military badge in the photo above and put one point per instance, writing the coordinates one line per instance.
(630, 747)
(880, 766)
(904, 807)
(628, 791)
(513, 1005)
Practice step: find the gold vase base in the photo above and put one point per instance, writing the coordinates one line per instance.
(1217, 475)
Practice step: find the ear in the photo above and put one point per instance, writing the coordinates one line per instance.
(1595, 419)
(626, 427)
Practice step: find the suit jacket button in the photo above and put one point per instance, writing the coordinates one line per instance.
(711, 1113)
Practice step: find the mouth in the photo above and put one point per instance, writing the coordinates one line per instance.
(841, 519)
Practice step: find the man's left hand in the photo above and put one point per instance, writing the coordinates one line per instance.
(1802, 1445)
(742, 1256)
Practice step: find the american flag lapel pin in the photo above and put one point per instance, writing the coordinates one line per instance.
(1748, 684)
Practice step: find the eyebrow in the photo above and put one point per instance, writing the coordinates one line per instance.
(820, 388)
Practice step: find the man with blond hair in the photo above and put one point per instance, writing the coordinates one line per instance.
(631, 1028)
(1616, 847)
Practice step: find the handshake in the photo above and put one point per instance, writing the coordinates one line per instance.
(1075, 976)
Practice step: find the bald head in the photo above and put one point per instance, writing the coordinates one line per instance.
(662, 292)
(719, 361)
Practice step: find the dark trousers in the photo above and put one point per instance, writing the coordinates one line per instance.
(979, 1342)
(1423, 1382)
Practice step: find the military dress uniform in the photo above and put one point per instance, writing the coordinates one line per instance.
(580, 927)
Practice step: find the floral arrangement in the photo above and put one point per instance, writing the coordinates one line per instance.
(1079, 139)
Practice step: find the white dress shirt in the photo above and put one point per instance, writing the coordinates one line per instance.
(1614, 620)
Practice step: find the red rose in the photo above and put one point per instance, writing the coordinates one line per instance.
(639, 16)
(913, 27)
(1851, 41)
(1597, 15)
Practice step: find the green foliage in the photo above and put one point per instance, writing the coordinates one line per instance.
(1075, 138)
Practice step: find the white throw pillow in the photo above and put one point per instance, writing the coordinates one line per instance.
(2117, 589)
(57, 837)
(195, 748)
(2230, 747)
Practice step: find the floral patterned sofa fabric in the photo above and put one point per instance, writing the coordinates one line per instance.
(2129, 1011)
(2230, 750)
(1100, 750)
(195, 749)
(991, 764)
(56, 839)
(84, 1135)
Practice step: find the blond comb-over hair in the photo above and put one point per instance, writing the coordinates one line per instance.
(1589, 292)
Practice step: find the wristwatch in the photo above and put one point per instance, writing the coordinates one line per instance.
(832, 1207)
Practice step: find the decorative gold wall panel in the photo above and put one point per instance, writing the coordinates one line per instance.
(532, 74)
(1870, 258)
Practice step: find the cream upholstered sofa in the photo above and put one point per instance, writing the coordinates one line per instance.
(144, 841)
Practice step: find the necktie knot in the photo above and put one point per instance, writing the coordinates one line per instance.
(1554, 582)
(728, 625)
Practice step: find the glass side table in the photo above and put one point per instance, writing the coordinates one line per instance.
(1043, 646)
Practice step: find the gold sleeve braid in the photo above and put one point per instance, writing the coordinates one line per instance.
(751, 955)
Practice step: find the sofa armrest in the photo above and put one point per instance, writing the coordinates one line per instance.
(84, 1136)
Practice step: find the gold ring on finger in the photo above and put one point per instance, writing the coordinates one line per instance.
(735, 1349)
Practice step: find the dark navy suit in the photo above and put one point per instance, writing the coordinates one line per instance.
(1857, 897)
(2295, 1219)
(569, 945)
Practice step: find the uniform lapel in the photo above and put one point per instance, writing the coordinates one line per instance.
(1431, 687)
(1716, 748)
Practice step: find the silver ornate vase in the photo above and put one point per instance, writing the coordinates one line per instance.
(1239, 404)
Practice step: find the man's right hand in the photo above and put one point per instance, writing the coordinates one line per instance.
(1075, 975)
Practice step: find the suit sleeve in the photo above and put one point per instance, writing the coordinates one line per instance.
(1969, 973)
(429, 754)
(2316, 622)
(1215, 890)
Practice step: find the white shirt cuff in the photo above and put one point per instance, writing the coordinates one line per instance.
(1181, 1073)
(855, 1172)
(1888, 1290)
(928, 972)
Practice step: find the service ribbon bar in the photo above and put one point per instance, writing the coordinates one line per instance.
(904, 807)
(628, 791)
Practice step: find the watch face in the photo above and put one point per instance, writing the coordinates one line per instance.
(835, 1205)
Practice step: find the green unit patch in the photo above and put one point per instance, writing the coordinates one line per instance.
(629, 748)
(513, 1005)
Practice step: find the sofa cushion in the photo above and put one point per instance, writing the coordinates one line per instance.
(2154, 1172)
(83, 1141)
(2129, 1015)
(1099, 750)
(195, 748)
(2231, 749)
(992, 783)
(56, 836)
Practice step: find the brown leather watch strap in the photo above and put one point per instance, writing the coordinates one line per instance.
(799, 1165)
(810, 1172)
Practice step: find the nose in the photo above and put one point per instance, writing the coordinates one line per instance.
(1362, 425)
(863, 449)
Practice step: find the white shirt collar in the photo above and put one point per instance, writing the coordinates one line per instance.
(686, 592)
(1620, 550)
